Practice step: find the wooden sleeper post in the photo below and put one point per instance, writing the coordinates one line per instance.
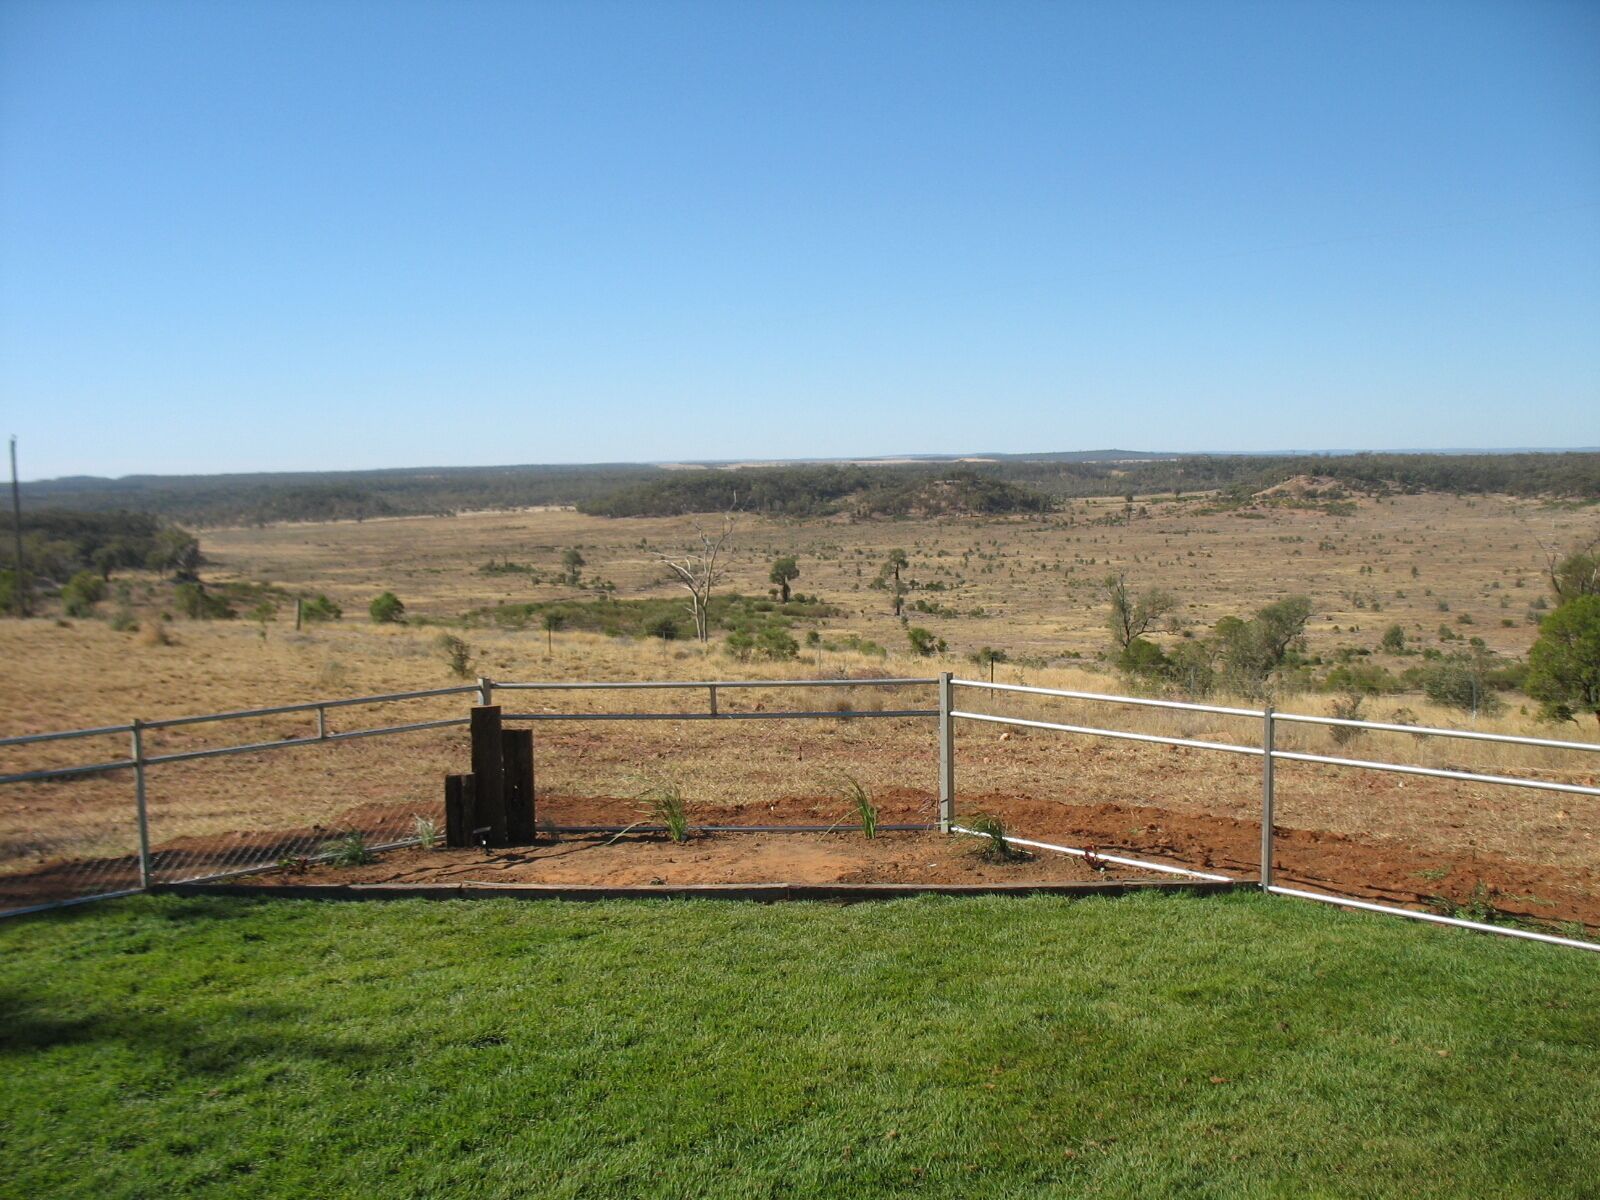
(488, 765)
(460, 816)
(517, 751)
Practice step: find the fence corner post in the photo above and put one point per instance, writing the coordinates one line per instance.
(137, 732)
(947, 757)
(1266, 796)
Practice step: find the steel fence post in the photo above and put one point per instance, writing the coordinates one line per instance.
(485, 691)
(947, 757)
(139, 803)
(322, 722)
(1266, 796)
(713, 699)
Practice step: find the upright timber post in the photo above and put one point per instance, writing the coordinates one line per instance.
(1266, 797)
(947, 757)
(139, 803)
(517, 749)
(489, 772)
(460, 809)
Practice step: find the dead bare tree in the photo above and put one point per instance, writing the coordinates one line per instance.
(700, 569)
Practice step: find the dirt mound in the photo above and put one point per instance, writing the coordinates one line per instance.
(1305, 487)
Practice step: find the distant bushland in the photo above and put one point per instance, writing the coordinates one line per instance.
(642, 489)
(650, 617)
(823, 491)
(58, 544)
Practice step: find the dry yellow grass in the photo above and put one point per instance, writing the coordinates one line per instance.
(1467, 554)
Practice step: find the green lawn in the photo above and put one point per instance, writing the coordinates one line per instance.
(1146, 1046)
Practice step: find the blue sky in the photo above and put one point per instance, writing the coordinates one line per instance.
(240, 236)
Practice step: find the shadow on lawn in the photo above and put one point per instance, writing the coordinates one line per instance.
(229, 1038)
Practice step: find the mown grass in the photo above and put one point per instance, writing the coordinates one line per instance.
(1146, 1046)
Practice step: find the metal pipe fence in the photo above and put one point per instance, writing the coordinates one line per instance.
(147, 862)
(1270, 755)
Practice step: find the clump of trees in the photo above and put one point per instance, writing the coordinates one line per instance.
(1239, 654)
(58, 546)
(864, 491)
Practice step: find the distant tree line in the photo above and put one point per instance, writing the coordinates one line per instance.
(209, 500)
(913, 490)
(1009, 484)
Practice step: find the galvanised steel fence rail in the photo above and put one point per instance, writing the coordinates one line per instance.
(1269, 754)
(946, 713)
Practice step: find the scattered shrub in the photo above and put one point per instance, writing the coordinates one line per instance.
(319, 608)
(81, 593)
(663, 627)
(456, 653)
(1345, 708)
(387, 609)
(775, 644)
(198, 604)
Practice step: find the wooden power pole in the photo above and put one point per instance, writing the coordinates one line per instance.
(20, 588)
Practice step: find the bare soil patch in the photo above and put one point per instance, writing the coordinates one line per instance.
(1390, 872)
(638, 860)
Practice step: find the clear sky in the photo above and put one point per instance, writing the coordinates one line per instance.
(262, 236)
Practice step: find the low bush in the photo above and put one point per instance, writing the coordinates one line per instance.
(387, 609)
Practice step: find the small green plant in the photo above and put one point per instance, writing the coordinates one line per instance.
(995, 848)
(664, 804)
(861, 800)
(1479, 906)
(349, 850)
(294, 864)
(426, 830)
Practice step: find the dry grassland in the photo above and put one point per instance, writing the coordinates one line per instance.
(1035, 582)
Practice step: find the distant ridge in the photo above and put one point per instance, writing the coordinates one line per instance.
(798, 487)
